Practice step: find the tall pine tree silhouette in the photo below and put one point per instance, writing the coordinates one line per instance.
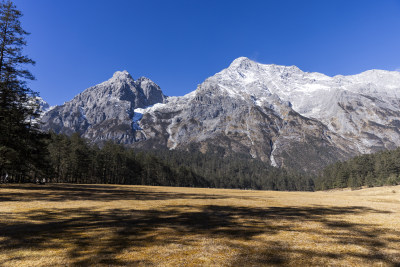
(18, 142)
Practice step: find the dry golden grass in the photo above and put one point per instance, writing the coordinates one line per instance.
(107, 225)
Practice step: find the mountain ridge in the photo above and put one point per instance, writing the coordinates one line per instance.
(278, 114)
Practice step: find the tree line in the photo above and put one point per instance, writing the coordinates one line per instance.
(73, 159)
(378, 169)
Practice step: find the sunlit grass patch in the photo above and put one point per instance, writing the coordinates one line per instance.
(112, 225)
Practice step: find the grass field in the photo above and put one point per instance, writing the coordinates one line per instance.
(113, 225)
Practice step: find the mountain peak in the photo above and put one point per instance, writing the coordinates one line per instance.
(241, 62)
(121, 75)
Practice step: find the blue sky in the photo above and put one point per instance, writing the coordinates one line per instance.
(178, 44)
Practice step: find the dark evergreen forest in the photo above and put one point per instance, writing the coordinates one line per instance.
(72, 159)
(381, 168)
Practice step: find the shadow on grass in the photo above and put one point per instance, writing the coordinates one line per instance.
(97, 237)
(68, 192)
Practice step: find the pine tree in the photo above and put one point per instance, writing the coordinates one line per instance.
(16, 105)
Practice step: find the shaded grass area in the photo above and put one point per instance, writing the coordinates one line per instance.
(104, 193)
(145, 226)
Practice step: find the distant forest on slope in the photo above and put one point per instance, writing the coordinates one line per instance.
(381, 168)
(72, 159)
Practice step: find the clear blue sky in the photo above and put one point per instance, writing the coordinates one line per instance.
(178, 44)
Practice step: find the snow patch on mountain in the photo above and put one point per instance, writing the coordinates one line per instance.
(138, 115)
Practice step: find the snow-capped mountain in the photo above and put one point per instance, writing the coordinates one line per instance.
(278, 114)
(363, 108)
(234, 112)
(105, 111)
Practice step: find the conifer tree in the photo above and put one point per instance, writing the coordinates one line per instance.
(16, 106)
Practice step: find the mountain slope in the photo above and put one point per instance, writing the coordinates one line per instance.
(225, 114)
(362, 108)
(105, 111)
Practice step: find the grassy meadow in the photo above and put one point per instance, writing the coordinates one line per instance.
(115, 225)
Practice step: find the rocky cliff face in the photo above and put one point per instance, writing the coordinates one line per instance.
(363, 108)
(105, 111)
(278, 114)
(224, 114)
